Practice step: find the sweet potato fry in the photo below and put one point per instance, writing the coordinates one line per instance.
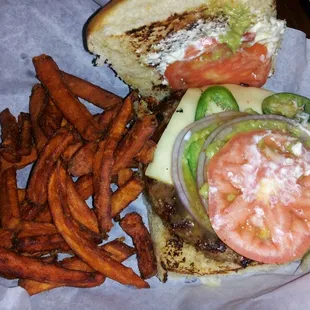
(32, 268)
(72, 109)
(29, 210)
(124, 176)
(41, 243)
(9, 205)
(25, 137)
(30, 228)
(82, 161)
(71, 150)
(36, 104)
(102, 197)
(146, 155)
(84, 186)
(87, 251)
(118, 250)
(97, 163)
(106, 118)
(133, 225)
(25, 161)
(37, 184)
(134, 141)
(6, 238)
(9, 136)
(50, 118)
(21, 193)
(126, 194)
(90, 92)
(44, 216)
(78, 207)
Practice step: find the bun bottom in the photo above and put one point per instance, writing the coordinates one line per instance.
(176, 258)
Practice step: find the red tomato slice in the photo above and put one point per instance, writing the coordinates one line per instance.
(259, 199)
(218, 65)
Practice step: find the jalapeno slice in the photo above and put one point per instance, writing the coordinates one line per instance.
(286, 104)
(215, 99)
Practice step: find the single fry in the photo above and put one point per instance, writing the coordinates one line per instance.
(30, 229)
(124, 176)
(84, 186)
(25, 136)
(37, 184)
(25, 161)
(21, 193)
(29, 210)
(103, 193)
(36, 104)
(133, 225)
(6, 238)
(78, 207)
(72, 109)
(146, 155)
(97, 163)
(134, 141)
(33, 268)
(106, 118)
(90, 92)
(118, 250)
(71, 150)
(41, 243)
(9, 136)
(44, 216)
(9, 205)
(126, 194)
(82, 161)
(50, 118)
(87, 251)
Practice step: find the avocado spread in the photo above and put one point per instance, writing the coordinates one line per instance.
(239, 22)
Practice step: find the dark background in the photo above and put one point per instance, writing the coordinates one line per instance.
(296, 13)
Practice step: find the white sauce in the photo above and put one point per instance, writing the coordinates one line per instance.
(297, 149)
(269, 31)
(174, 46)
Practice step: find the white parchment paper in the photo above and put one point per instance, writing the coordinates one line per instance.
(56, 27)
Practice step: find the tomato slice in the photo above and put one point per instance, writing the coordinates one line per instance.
(218, 65)
(259, 199)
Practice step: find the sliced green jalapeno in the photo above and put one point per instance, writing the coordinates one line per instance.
(286, 104)
(215, 99)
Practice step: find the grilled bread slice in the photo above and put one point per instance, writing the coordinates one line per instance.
(124, 32)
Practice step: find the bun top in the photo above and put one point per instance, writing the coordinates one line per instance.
(119, 16)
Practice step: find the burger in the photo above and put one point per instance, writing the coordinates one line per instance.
(229, 185)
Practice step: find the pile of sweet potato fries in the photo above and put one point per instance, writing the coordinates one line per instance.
(62, 139)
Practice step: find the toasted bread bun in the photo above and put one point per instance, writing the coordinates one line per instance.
(176, 258)
(125, 30)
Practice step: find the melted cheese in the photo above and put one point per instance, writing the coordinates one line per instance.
(160, 168)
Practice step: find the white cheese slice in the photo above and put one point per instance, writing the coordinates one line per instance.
(160, 168)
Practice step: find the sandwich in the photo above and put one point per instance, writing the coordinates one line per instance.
(161, 46)
(228, 188)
